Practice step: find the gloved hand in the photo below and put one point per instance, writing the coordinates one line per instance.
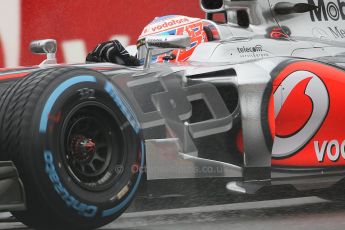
(114, 52)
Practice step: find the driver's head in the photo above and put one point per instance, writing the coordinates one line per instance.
(197, 29)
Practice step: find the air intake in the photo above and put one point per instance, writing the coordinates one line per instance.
(216, 6)
(212, 5)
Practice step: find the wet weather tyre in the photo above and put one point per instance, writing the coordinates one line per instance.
(76, 145)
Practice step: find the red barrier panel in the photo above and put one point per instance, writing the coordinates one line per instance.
(77, 25)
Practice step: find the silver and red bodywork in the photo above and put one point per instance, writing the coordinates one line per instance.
(263, 104)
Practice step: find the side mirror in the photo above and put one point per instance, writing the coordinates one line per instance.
(48, 47)
(164, 42)
(168, 42)
(284, 8)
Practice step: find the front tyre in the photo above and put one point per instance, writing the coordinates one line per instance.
(76, 145)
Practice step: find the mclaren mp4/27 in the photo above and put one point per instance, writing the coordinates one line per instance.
(260, 103)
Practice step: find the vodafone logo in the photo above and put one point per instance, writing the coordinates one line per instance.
(169, 24)
(303, 93)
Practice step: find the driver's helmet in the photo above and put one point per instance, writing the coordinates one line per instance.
(199, 31)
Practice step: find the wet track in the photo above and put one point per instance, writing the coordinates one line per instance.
(195, 207)
(305, 213)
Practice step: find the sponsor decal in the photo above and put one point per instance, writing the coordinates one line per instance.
(332, 11)
(82, 208)
(250, 52)
(337, 32)
(332, 149)
(123, 106)
(329, 32)
(257, 48)
(167, 23)
(171, 23)
(298, 86)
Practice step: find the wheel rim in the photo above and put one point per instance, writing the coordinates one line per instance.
(88, 147)
(93, 146)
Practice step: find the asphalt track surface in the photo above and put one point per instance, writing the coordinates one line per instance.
(210, 208)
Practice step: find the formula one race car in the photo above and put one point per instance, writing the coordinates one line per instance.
(254, 93)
